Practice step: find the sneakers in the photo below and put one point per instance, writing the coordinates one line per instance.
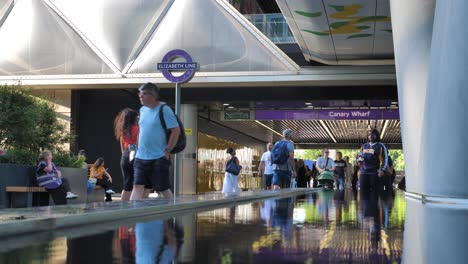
(71, 195)
(110, 191)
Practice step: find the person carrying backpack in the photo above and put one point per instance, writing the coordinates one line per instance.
(282, 158)
(152, 159)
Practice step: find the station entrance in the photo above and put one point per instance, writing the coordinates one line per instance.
(246, 119)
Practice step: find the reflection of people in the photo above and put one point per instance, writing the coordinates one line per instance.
(102, 177)
(266, 209)
(157, 242)
(265, 169)
(282, 216)
(324, 204)
(126, 132)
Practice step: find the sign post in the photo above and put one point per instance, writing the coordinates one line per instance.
(189, 68)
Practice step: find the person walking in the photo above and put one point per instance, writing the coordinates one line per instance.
(231, 177)
(373, 161)
(340, 167)
(284, 166)
(348, 172)
(265, 169)
(126, 132)
(301, 174)
(323, 164)
(152, 160)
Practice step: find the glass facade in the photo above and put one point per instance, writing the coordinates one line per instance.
(274, 26)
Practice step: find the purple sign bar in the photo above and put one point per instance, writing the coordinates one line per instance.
(329, 114)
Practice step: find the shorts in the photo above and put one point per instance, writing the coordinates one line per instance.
(268, 178)
(154, 173)
(282, 178)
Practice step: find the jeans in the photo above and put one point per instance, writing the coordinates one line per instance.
(339, 182)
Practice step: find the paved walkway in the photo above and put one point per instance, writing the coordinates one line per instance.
(47, 218)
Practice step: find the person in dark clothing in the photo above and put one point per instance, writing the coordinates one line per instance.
(373, 160)
(301, 174)
(355, 179)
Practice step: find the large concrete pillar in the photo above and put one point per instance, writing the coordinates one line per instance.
(435, 233)
(188, 157)
(412, 32)
(446, 122)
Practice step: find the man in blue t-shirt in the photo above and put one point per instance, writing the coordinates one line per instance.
(152, 160)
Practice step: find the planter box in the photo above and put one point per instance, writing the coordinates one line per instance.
(14, 175)
(22, 175)
(78, 179)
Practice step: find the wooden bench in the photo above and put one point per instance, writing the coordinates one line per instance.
(12, 190)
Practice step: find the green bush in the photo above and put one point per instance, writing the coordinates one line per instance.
(64, 159)
(28, 122)
(20, 156)
(26, 157)
(28, 125)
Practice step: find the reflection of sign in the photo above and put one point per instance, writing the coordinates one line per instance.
(188, 131)
(237, 115)
(167, 65)
(329, 114)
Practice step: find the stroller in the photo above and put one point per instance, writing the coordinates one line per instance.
(326, 180)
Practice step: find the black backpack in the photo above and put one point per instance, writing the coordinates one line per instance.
(182, 140)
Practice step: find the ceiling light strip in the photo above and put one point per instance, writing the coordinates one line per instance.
(328, 131)
(384, 129)
(267, 127)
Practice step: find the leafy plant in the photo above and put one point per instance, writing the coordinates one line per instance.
(28, 125)
(64, 159)
(28, 122)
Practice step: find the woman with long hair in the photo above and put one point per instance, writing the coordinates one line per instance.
(126, 132)
(103, 178)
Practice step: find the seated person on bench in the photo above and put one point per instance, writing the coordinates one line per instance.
(102, 177)
(51, 179)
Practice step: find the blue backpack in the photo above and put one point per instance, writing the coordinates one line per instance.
(280, 152)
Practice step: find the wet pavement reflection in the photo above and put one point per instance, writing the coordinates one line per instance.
(322, 227)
